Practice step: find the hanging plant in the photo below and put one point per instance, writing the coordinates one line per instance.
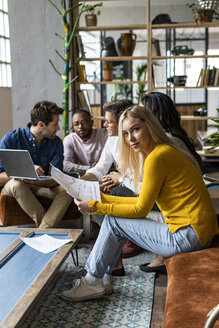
(91, 16)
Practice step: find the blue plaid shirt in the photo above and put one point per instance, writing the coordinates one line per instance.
(49, 151)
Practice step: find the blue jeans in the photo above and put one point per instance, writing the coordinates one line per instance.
(146, 233)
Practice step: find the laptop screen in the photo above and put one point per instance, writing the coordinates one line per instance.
(18, 164)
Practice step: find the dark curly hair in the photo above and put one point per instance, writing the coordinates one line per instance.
(165, 111)
(117, 107)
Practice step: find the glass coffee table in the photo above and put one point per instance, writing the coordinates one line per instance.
(25, 273)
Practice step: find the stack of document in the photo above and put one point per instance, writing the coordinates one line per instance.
(77, 188)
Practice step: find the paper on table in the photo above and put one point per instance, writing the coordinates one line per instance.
(45, 244)
(77, 188)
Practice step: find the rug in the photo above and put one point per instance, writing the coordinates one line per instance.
(130, 305)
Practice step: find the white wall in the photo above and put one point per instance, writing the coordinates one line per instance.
(6, 123)
(32, 27)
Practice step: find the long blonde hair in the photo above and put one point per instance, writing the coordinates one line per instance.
(129, 160)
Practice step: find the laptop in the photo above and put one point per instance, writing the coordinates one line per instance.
(19, 164)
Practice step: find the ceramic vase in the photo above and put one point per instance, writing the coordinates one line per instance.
(126, 44)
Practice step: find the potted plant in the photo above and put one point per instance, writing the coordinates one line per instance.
(141, 72)
(205, 13)
(122, 91)
(214, 137)
(107, 71)
(93, 12)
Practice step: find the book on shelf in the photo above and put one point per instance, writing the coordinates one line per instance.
(82, 76)
(155, 47)
(79, 45)
(212, 76)
(198, 84)
(216, 79)
(83, 100)
(208, 77)
(200, 78)
(153, 82)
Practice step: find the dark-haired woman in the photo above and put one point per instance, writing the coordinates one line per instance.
(165, 111)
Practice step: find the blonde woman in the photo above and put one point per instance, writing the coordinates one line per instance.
(172, 179)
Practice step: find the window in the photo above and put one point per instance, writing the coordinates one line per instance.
(5, 54)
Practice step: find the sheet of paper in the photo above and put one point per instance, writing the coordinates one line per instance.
(45, 244)
(77, 188)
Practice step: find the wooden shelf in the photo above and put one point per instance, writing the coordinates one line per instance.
(208, 154)
(101, 118)
(130, 58)
(144, 26)
(112, 28)
(184, 25)
(184, 56)
(145, 82)
(114, 82)
(183, 117)
(197, 118)
(185, 87)
(96, 0)
(116, 58)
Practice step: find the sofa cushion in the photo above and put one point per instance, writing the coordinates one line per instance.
(193, 287)
(12, 214)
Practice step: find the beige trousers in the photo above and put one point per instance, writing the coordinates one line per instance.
(25, 194)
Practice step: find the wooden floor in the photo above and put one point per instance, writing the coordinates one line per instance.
(159, 301)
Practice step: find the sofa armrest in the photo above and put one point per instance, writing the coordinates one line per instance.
(12, 214)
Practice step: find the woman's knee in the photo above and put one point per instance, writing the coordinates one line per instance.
(111, 223)
(108, 223)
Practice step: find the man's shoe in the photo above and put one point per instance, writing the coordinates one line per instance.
(159, 268)
(82, 291)
(118, 272)
(108, 289)
(130, 249)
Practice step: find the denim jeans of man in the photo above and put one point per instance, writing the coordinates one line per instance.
(146, 233)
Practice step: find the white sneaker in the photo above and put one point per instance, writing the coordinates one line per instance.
(108, 289)
(82, 291)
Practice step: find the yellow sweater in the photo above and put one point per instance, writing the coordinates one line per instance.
(177, 186)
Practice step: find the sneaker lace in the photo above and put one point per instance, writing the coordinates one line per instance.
(75, 284)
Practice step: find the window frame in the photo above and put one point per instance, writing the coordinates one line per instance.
(5, 53)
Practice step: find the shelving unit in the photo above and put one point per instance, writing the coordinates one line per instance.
(102, 30)
(190, 123)
(149, 29)
(183, 118)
